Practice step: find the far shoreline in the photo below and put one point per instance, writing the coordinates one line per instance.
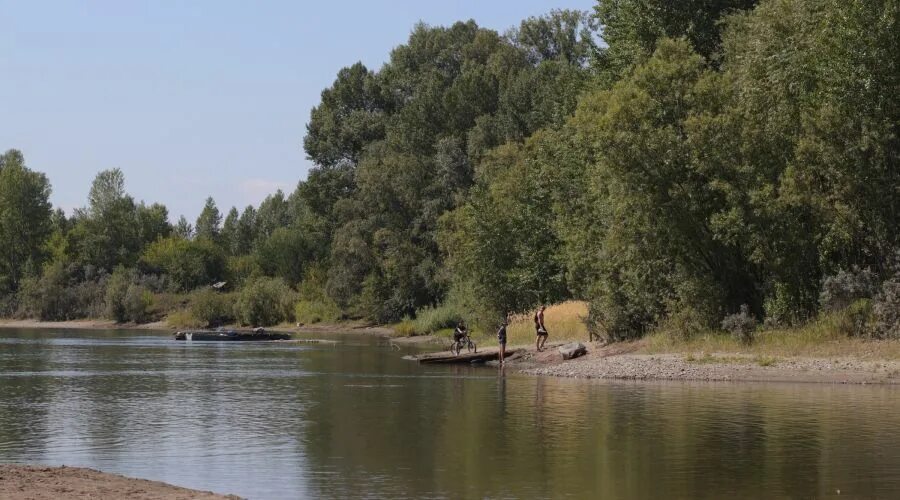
(622, 361)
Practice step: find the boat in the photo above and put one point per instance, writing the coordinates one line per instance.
(221, 335)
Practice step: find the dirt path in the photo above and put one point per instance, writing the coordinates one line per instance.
(616, 362)
(27, 482)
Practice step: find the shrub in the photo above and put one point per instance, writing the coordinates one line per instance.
(886, 310)
(854, 320)
(240, 269)
(48, 297)
(431, 319)
(316, 311)
(741, 325)
(188, 263)
(126, 299)
(212, 308)
(684, 323)
(840, 290)
(405, 328)
(137, 303)
(116, 288)
(264, 302)
(315, 305)
(183, 318)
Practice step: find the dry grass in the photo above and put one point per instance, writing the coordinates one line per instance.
(564, 322)
(822, 338)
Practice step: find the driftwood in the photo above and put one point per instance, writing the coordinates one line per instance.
(464, 358)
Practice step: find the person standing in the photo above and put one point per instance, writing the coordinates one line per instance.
(540, 329)
(501, 338)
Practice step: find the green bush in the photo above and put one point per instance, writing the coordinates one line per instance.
(116, 288)
(240, 269)
(188, 263)
(855, 318)
(212, 308)
(742, 325)
(405, 328)
(126, 300)
(309, 311)
(264, 302)
(886, 310)
(53, 296)
(183, 318)
(137, 303)
(315, 305)
(431, 319)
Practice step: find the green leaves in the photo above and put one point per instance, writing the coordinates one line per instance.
(24, 218)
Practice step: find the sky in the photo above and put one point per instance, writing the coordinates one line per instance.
(194, 98)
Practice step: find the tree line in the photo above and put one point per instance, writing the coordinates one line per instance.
(671, 164)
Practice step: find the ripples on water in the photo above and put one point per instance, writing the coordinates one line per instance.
(353, 419)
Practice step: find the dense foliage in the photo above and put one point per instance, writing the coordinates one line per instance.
(670, 163)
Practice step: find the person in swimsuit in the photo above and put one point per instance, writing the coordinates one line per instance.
(540, 329)
(501, 339)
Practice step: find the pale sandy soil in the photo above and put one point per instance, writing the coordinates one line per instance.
(29, 482)
(612, 363)
(81, 324)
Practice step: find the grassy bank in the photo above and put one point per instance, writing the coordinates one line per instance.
(823, 338)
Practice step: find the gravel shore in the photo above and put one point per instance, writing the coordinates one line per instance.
(718, 367)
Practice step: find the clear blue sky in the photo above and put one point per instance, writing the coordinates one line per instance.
(194, 98)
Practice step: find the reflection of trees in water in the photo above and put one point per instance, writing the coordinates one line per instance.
(531, 437)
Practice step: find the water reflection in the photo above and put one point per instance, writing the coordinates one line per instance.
(289, 421)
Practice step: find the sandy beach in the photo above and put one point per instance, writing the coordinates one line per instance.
(34, 482)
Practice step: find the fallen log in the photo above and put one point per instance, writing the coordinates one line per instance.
(464, 358)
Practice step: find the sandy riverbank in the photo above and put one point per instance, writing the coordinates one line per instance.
(620, 362)
(82, 324)
(21, 482)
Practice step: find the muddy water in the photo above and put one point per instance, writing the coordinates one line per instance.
(353, 419)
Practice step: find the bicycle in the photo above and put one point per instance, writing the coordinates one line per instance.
(466, 342)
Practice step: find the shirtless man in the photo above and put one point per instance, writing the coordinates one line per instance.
(540, 329)
(501, 338)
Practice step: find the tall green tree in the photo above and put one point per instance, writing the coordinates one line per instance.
(107, 232)
(25, 218)
(209, 222)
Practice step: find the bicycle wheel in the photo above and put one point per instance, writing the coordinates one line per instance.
(454, 348)
(470, 346)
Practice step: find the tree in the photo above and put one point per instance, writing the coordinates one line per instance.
(25, 218)
(183, 229)
(208, 222)
(632, 28)
(566, 35)
(153, 222)
(188, 263)
(107, 232)
(229, 233)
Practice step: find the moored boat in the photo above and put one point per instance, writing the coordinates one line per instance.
(230, 335)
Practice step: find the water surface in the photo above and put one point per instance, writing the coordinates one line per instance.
(354, 420)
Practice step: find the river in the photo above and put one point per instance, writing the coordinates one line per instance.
(355, 420)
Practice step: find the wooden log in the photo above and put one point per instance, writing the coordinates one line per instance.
(464, 358)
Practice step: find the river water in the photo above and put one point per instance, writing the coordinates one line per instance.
(355, 420)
